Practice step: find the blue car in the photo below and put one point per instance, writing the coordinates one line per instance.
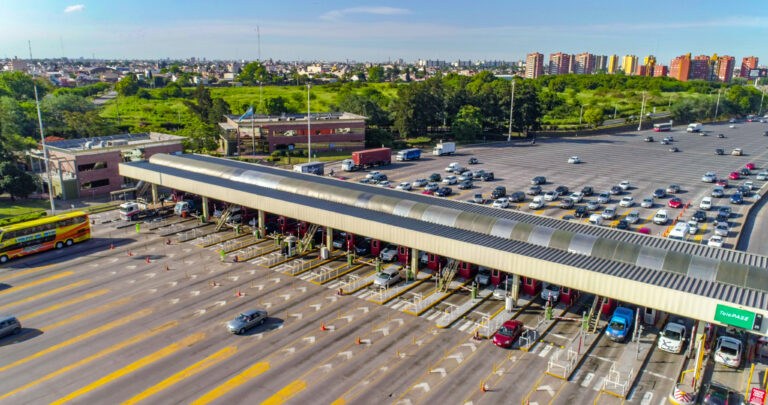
(736, 198)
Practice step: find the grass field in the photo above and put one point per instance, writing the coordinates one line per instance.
(10, 208)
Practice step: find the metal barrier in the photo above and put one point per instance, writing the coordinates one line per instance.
(613, 382)
(490, 326)
(528, 338)
(186, 235)
(562, 367)
(326, 273)
(380, 295)
(448, 312)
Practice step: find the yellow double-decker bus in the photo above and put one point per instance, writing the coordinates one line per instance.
(26, 238)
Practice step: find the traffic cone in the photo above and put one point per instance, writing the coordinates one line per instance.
(239, 293)
(322, 326)
(111, 246)
(357, 340)
(213, 283)
(146, 260)
(129, 253)
(482, 387)
(167, 268)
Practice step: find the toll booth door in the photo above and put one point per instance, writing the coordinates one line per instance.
(531, 286)
(608, 304)
(303, 228)
(433, 261)
(375, 247)
(281, 223)
(566, 295)
(465, 270)
(649, 316)
(402, 254)
(495, 277)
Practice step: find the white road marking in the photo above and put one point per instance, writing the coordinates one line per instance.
(657, 375)
(599, 385)
(347, 354)
(545, 350)
(647, 397)
(309, 339)
(588, 379)
(466, 325)
(433, 316)
(440, 370)
(547, 388)
(424, 386)
(557, 335)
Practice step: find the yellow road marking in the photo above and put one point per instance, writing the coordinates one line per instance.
(45, 294)
(120, 321)
(646, 220)
(37, 282)
(698, 237)
(183, 374)
(286, 393)
(66, 303)
(136, 339)
(569, 212)
(233, 383)
(88, 313)
(21, 273)
(164, 352)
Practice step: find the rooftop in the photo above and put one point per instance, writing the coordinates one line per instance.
(113, 141)
(260, 118)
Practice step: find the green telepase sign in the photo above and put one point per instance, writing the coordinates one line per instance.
(738, 317)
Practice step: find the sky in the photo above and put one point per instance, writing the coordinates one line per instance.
(379, 31)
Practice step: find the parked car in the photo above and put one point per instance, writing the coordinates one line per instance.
(709, 177)
(675, 202)
(534, 190)
(627, 201)
(465, 185)
(609, 212)
(509, 332)
(517, 196)
(431, 187)
(420, 182)
(498, 192)
(450, 180)
(550, 196)
(737, 198)
(592, 205)
(478, 198)
(443, 192)
(699, 216)
(577, 197)
(604, 198)
(550, 291)
(706, 203)
(561, 190)
(574, 160)
(466, 176)
(566, 203)
(502, 202)
(647, 202)
(661, 217)
(587, 191)
(659, 193)
(247, 320)
(9, 325)
(633, 217)
(387, 277)
(672, 337)
(435, 177)
(673, 189)
(581, 211)
(715, 241)
(406, 186)
(539, 180)
(388, 254)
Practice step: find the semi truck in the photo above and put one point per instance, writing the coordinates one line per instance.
(620, 324)
(695, 127)
(408, 154)
(444, 148)
(136, 210)
(185, 207)
(364, 159)
(311, 168)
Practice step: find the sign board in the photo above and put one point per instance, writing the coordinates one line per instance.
(757, 396)
(330, 145)
(758, 73)
(737, 317)
(290, 147)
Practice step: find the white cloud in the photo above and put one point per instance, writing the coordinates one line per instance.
(74, 8)
(338, 14)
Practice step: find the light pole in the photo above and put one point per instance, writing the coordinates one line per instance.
(614, 111)
(45, 154)
(761, 102)
(717, 106)
(309, 130)
(642, 111)
(581, 114)
(511, 108)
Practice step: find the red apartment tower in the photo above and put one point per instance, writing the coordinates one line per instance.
(660, 70)
(699, 68)
(747, 64)
(534, 65)
(585, 63)
(725, 71)
(558, 63)
(679, 67)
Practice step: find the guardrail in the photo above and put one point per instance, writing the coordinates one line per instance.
(528, 338)
(489, 326)
(326, 273)
(613, 383)
(562, 367)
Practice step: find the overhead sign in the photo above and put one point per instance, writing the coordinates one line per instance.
(738, 317)
(757, 396)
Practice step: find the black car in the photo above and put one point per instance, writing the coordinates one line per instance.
(716, 394)
(561, 190)
(534, 190)
(737, 198)
(700, 216)
(498, 192)
(765, 133)
(539, 180)
(745, 172)
(721, 218)
(478, 173)
(719, 152)
(473, 161)
(517, 196)
(720, 136)
(460, 170)
(365, 181)
(744, 190)
(379, 178)
(466, 184)
(659, 193)
(587, 191)
(726, 211)
(435, 177)
(615, 190)
(488, 176)
(648, 139)
(443, 191)
(623, 224)
(581, 211)
(363, 248)
(674, 149)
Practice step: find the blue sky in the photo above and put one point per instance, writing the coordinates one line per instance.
(379, 31)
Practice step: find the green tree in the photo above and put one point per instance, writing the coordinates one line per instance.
(219, 109)
(594, 116)
(199, 137)
(376, 138)
(15, 181)
(254, 73)
(171, 90)
(275, 106)
(376, 74)
(527, 114)
(467, 126)
(365, 105)
(204, 104)
(20, 86)
(128, 85)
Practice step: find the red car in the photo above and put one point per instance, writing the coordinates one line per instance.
(722, 182)
(734, 176)
(508, 333)
(750, 166)
(428, 192)
(644, 230)
(675, 202)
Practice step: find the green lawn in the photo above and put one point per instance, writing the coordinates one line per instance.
(10, 208)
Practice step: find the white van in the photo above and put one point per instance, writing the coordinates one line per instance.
(596, 219)
(661, 217)
(537, 203)
(729, 351)
(672, 338)
(695, 127)
(679, 231)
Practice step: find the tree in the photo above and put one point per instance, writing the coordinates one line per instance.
(275, 106)
(527, 113)
(366, 105)
(15, 181)
(467, 125)
(376, 74)
(171, 90)
(128, 85)
(254, 73)
(219, 109)
(202, 108)
(594, 116)
(19, 85)
(376, 138)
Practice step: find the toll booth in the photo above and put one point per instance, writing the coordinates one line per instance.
(567, 295)
(497, 276)
(303, 226)
(375, 247)
(650, 316)
(608, 305)
(282, 223)
(467, 270)
(403, 254)
(350, 242)
(531, 286)
(289, 246)
(435, 262)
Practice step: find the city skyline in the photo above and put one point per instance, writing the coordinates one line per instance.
(374, 31)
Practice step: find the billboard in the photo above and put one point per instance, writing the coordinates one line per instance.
(758, 73)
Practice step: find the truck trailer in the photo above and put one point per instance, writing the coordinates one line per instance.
(364, 159)
(311, 168)
(444, 148)
(408, 154)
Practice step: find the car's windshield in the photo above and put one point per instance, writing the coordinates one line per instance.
(506, 331)
(728, 350)
(242, 318)
(384, 276)
(672, 334)
(617, 326)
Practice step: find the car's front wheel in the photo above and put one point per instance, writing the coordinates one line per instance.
(241, 331)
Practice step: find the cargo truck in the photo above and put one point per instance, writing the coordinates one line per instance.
(695, 127)
(367, 158)
(408, 154)
(311, 168)
(132, 211)
(620, 325)
(185, 207)
(444, 148)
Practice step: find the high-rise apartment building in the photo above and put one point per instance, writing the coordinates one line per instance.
(601, 61)
(680, 67)
(534, 65)
(747, 64)
(558, 63)
(725, 68)
(699, 68)
(629, 64)
(585, 63)
(642, 70)
(660, 70)
(613, 64)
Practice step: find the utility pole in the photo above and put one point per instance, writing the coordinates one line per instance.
(614, 111)
(717, 106)
(642, 111)
(761, 102)
(511, 108)
(309, 130)
(581, 114)
(42, 140)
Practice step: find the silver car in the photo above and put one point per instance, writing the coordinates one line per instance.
(633, 217)
(9, 325)
(604, 198)
(721, 229)
(504, 288)
(647, 202)
(420, 182)
(387, 277)
(592, 205)
(550, 196)
(247, 320)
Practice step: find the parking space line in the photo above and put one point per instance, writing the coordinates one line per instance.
(66, 303)
(136, 339)
(201, 365)
(93, 332)
(236, 381)
(136, 365)
(36, 282)
(698, 237)
(45, 294)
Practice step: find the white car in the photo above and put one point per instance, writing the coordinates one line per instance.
(609, 213)
(661, 217)
(715, 241)
(762, 175)
(550, 291)
(706, 203)
(537, 203)
(387, 277)
(633, 217)
(624, 185)
(384, 183)
(750, 184)
(404, 186)
(672, 337)
(577, 197)
(388, 254)
(721, 229)
(450, 180)
(627, 201)
(647, 202)
(420, 182)
(550, 196)
(451, 167)
(502, 202)
(371, 175)
(693, 227)
(709, 177)
(574, 159)
(604, 198)
(729, 351)
(731, 126)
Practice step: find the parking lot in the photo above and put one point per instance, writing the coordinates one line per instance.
(605, 162)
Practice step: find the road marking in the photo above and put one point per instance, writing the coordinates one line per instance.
(599, 385)
(545, 350)
(286, 393)
(37, 282)
(45, 294)
(588, 379)
(183, 374)
(440, 370)
(21, 273)
(466, 325)
(647, 397)
(698, 237)
(657, 375)
(65, 303)
(88, 313)
(546, 388)
(136, 365)
(91, 333)
(136, 339)
(433, 316)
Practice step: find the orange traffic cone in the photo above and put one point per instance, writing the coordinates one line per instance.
(322, 326)
(147, 260)
(111, 246)
(167, 268)
(239, 293)
(482, 387)
(357, 340)
(129, 253)
(213, 283)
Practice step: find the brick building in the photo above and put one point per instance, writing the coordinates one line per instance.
(660, 70)
(335, 131)
(699, 68)
(747, 64)
(534, 65)
(585, 63)
(725, 68)
(680, 67)
(88, 167)
(558, 63)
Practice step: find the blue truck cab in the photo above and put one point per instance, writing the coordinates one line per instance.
(620, 325)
